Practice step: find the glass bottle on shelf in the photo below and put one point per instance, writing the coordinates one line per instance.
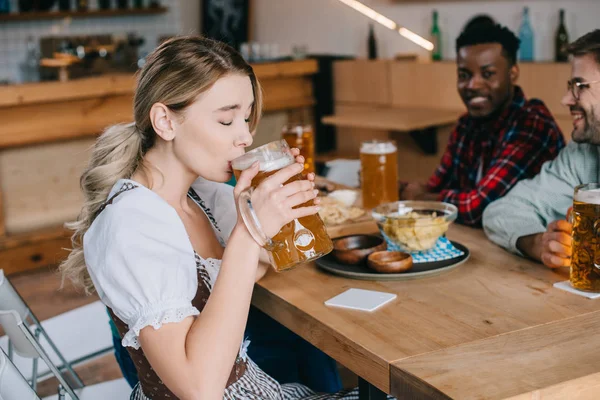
(436, 38)
(526, 51)
(31, 65)
(4, 6)
(561, 41)
(104, 4)
(372, 43)
(64, 5)
(82, 5)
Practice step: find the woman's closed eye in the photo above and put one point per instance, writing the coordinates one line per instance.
(247, 120)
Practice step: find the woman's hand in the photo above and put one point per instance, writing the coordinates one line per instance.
(276, 203)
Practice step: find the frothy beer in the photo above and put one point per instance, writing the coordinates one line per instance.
(379, 173)
(302, 240)
(301, 137)
(585, 261)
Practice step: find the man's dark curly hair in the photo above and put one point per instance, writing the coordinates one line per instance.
(490, 33)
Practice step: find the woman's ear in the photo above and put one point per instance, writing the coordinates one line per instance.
(162, 122)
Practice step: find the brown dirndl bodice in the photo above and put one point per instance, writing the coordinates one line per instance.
(151, 384)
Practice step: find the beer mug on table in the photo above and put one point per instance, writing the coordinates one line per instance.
(302, 137)
(302, 240)
(379, 172)
(585, 261)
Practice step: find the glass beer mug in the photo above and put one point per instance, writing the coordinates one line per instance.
(301, 137)
(585, 261)
(379, 172)
(302, 240)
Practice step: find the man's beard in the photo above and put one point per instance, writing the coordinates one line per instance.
(591, 130)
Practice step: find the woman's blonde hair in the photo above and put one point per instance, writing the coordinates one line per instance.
(175, 74)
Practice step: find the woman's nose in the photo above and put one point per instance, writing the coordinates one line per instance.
(245, 139)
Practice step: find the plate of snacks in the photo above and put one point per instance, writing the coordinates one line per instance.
(338, 207)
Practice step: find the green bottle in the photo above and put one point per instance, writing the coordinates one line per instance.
(436, 38)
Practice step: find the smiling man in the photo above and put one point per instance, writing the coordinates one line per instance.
(530, 220)
(502, 139)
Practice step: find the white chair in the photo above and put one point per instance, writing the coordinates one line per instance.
(13, 386)
(26, 344)
(10, 300)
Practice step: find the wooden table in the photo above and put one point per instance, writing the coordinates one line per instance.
(492, 328)
(392, 119)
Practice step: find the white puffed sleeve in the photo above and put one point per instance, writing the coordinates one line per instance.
(142, 262)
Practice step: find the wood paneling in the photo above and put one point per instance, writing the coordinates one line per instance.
(362, 81)
(119, 84)
(287, 93)
(424, 85)
(547, 82)
(33, 250)
(44, 92)
(32, 124)
(41, 184)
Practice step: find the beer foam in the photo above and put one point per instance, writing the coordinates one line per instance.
(268, 161)
(377, 148)
(589, 196)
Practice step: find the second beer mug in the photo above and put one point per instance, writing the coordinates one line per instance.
(301, 137)
(585, 262)
(302, 240)
(379, 172)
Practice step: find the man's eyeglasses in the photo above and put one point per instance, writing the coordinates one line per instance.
(576, 87)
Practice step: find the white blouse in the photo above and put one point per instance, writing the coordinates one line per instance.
(141, 260)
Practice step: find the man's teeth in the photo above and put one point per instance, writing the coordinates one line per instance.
(577, 117)
(477, 99)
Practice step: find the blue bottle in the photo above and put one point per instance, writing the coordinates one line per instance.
(4, 6)
(526, 35)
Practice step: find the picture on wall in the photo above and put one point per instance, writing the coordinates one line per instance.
(226, 20)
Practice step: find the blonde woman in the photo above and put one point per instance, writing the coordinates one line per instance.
(159, 237)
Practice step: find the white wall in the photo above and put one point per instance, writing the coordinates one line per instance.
(329, 26)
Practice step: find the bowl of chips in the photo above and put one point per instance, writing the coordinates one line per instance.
(414, 226)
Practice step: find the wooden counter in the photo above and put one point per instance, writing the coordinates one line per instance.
(47, 132)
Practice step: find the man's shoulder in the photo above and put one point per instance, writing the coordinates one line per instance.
(536, 108)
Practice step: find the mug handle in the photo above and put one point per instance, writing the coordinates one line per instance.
(252, 223)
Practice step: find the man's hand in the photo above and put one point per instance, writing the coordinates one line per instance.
(552, 248)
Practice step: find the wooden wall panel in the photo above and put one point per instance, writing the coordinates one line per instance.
(41, 184)
(547, 82)
(56, 121)
(362, 81)
(433, 85)
(420, 85)
(33, 250)
(286, 93)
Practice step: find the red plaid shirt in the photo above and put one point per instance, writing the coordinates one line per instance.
(481, 164)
